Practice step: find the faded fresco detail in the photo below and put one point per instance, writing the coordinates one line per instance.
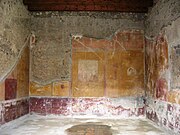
(15, 90)
(61, 88)
(110, 68)
(162, 105)
(10, 89)
(39, 90)
(164, 114)
(157, 68)
(51, 54)
(88, 70)
(102, 67)
(121, 107)
(13, 109)
(162, 65)
(161, 89)
(57, 88)
(88, 87)
(16, 85)
(158, 71)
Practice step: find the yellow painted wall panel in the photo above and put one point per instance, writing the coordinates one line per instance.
(61, 89)
(113, 73)
(23, 75)
(40, 90)
(125, 73)
(120, 61)
(2, 91)
(132, 73)
(103, 67)
(88, 74)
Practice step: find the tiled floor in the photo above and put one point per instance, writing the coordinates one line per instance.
(39, 125)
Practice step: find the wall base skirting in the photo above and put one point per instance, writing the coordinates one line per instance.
(163, 113)
(121, 107)
(13, 109)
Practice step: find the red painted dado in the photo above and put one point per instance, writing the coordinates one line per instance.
(125, 107)
(13, 109)
(45, 106)
(10, 89)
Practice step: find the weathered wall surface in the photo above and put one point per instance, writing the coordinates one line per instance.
(162, 53)
(13, 109)
(161, 15)
(101, 107)
(51, 54)
(16, 84)
(87, 45)
(102, 67)
(160, 97)
(111, 68)
(14, 91)
(14, 60)
(162, 64)
(14, 29)
(157, 69)
(164, 114)
(173, 35)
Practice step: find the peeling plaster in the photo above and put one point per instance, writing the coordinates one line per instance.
(162, 81)
(53, 41)
(14, 31)
(77, 107)
(160, 16)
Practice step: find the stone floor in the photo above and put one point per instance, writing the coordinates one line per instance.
(43, 125)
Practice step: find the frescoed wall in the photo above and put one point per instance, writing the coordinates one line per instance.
(14, 91)
(162, 65)
(101, 67)
(111, 68)
(106, 73)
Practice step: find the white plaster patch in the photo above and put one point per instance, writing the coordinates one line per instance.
(88, 70)
(77, 36)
